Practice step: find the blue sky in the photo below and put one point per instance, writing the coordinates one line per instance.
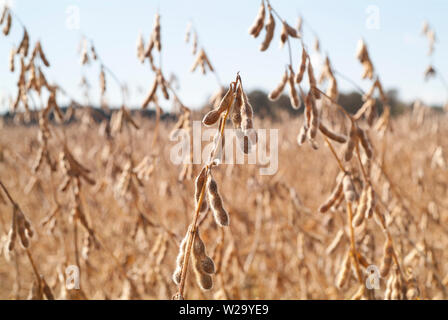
(396, 48)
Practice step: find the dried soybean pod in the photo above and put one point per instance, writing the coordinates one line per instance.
(180, 260)
(283, 35)
(337, 191)
(332, 90)
(42, 54)
(333, 136)
(307, 111)
(12, 232)
(220, 214)
(226, 101)
(7, 26)
(246, 113)
(389, 288)
(360, 210)
(200, 181)
(162, 85)
(140, 48)
(299, 25)
(397, 290)
(316, 45)
(302, 69)
(270, 27)
(335, 243)
(287, 31)
(301, 137)
(348, 153)
(293, 96)
(93, 52)
(188, 32)
(211, 118)
(151, 94)
(182, 247)
(365, 143)
(12, 55)
(257, 26)
(383, 96)
(314, 115)
(205, 281)
(312, 80)
(21, 229)
(202, 66)
(412, 291)
(387, 258)
(359, 293)
(207, 61)
(27, 225)
(275, 94)
(42, 80)
(236, 110)
(24, 44)
(149, 47)
(348, 188)
(362, 260)
(157, 41)
(291, 31)
(198, 245)
(250, 136)
(344, 273)
(207, 265)
(366, 106)
(195, 43)
(102, 81)
(203, 263)
(370, 202)
(177, 275)
(199, 60)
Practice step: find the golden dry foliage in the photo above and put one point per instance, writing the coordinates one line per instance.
(420, 211)
(368, 190)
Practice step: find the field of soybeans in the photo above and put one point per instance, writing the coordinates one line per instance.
(92, 205)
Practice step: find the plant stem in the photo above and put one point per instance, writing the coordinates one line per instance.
(337, 104)
(341, 166)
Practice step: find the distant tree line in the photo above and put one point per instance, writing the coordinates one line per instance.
(263, 107)
(351, 101)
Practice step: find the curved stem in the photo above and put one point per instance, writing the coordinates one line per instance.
(337, 104)
(353, 83)
(7, 194)
(17, 17)
(341, 166)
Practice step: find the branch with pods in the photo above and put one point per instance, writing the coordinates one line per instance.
(431, 71)
(235, 105)
(21, 226)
